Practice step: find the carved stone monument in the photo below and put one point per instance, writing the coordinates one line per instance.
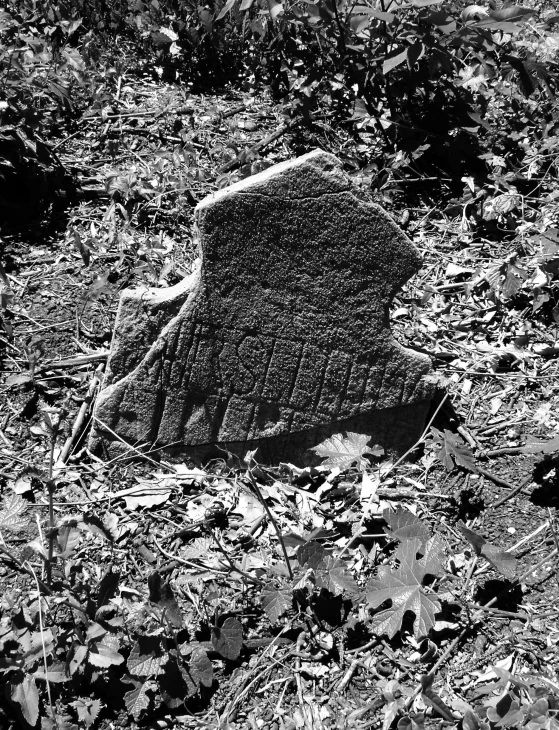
(280, 336)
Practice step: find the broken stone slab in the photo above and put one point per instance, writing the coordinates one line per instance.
(280, 336)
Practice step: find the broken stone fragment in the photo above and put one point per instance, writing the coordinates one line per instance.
(279, 337)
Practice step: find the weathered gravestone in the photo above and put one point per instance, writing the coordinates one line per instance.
(280, 337)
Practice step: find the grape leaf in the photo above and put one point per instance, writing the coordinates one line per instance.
(227, 640)
(12, 511)
(88, 710)
(311, 554)
(333, 574)
(432, 554)
(404, 525)
(276, 603)
(136, 699)
(454, 451)
(502, 561)
(146, 657)
(403, 588)
(344, 452)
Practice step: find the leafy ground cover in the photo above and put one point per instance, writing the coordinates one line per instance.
(361, 593)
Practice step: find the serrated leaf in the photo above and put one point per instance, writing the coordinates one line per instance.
(404, 525)
(276, 603)
(403, 588)
(311, 554)
(227, 640)
(434, 557)
(146, 657)
(88, 710)
(502, 561)
(102, 656)
(201, 668)
(343, 452)
(333, 574)
(26, 695)
(13, 508)
(454, 451)
(136, 699)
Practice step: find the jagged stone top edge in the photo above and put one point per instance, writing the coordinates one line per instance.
(319, 158)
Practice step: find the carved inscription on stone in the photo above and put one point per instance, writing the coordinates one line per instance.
(280, 336)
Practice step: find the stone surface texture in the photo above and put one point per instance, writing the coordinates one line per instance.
(280, 336)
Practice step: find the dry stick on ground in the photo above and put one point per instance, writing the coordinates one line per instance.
(73, 361)
(513, 492)
(299, 646)
(84, 408)
(502, 482)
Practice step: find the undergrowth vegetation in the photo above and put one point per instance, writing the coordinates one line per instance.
(176, 599)
(440, 88)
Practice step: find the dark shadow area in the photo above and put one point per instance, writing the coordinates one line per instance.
(546, 475)
(508, 601)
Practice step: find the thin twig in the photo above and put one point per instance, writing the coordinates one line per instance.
(273, 519)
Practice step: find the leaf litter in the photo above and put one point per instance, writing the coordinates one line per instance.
(170, 583)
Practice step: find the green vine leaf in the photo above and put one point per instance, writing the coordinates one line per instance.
(403, 588)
